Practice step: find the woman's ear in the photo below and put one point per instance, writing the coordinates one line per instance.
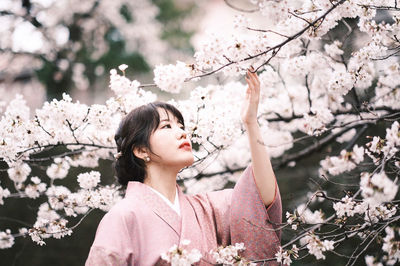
(140, 152)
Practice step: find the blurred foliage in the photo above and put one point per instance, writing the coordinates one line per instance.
(57, 81)
(170, 16)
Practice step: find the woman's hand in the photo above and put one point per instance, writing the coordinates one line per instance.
(250, 104)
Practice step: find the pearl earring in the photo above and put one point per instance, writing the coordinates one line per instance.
(147, 158)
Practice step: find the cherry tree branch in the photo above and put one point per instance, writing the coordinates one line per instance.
(390, 8)
(317, 145)
(277, 47)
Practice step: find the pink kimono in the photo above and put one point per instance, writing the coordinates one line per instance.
(142, 226)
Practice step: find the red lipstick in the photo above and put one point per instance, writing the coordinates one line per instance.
(185, 145)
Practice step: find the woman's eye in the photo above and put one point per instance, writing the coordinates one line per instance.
(166, 126)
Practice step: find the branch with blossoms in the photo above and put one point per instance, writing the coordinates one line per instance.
(383, 7)
(313, 25)
(228, 255)
(361, 215)
(239, 61)
(326, 236)
(321, 142)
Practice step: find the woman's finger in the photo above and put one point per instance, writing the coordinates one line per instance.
(250, 84)
(253, 80)
(253, 75)
(248, 80)
(250, 74)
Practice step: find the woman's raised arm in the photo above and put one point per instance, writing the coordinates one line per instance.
(262, 168)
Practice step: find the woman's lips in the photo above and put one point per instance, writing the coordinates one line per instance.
(185, 146)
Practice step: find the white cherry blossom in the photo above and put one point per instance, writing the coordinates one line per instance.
(4, 193)
(58, 170)
(171, 77)
(316, 246)
(89, 180)
(377, 188)
(6, 239)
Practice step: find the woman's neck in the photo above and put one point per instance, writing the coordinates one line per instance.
(163, 180)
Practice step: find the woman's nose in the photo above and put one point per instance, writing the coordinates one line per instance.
(182, 134)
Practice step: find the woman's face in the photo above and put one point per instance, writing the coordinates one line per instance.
(170, 143)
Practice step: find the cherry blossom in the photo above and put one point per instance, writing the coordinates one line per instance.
(6, 239)
(283, 256)
(346, 161)
(316, 246)
(230, 255)
(377, 188)
(89, 180)
(307, 216)
(4, 193)
(179, 256)
(171, 77)
(391, 245)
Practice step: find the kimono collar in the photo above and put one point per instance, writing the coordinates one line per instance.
(156, 203)
(175, 205)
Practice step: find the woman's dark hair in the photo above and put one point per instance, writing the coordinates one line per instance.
(134, 132)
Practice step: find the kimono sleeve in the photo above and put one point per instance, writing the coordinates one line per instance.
(240, 216)
(251, 222)
(112, 244)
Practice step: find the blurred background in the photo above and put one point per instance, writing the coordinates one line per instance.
(48, 47)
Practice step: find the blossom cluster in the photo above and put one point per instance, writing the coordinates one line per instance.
(370, 211)
(309, 217)
(386, 147)
(6, 239)
(171, 77)
(316, 246)
(230, 255)
(345, 162)
(391, 245)
(4, 193)
(45, 229)
(285, 256)
(89, 180)
(180, 256)
(377, 188)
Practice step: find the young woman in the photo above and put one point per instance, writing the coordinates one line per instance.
(154, 215)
